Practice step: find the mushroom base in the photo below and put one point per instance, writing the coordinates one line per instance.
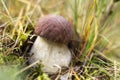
(52, 55)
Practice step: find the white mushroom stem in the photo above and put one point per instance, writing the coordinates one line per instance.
(50, 54)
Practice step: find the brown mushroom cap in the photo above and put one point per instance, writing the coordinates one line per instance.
(54, 28)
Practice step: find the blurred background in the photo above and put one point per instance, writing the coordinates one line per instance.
(20, 13)
(95, 21)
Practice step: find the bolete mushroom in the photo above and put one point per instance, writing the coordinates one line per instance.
(50, 47)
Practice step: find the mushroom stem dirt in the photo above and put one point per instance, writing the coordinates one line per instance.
(50, 54)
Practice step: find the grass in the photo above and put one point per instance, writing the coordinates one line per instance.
(96, 24)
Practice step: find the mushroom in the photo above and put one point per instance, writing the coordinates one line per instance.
(51, 45)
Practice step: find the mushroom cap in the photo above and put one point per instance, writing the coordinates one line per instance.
(54, 28)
